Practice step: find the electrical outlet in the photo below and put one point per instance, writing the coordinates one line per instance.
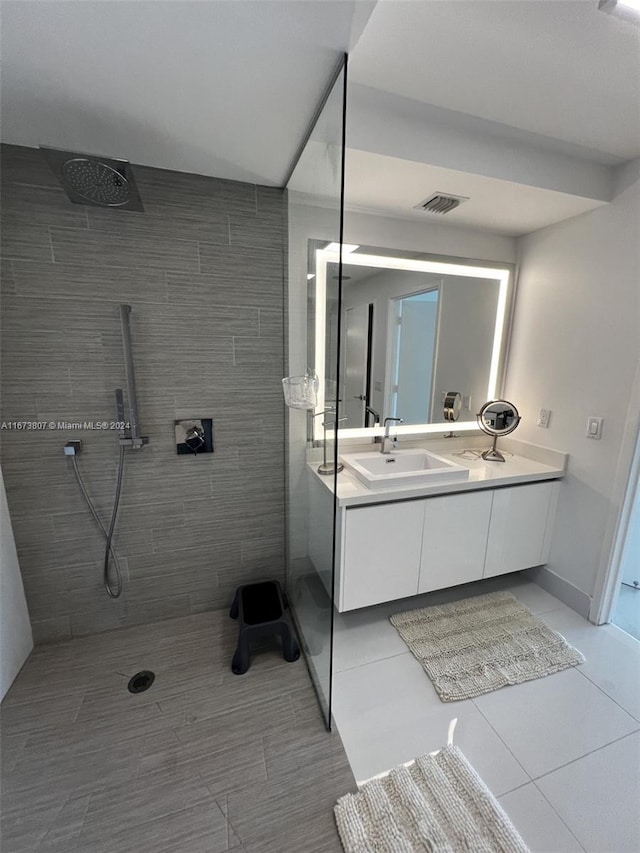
(544, 417)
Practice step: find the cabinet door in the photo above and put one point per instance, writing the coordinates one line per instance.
(454, 539)
(518, 527)
(381, 553)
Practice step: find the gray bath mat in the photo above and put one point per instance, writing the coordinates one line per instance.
(476, 645)
(438, 803)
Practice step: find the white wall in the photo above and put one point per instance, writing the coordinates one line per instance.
(575, 350)
(433, 238)
(395, 126)
(16, 640)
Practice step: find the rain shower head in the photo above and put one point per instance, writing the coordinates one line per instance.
(90, 179)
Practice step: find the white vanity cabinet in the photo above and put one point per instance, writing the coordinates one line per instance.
(521, 523)
(399, 549)
(454, 539)
(381, 553)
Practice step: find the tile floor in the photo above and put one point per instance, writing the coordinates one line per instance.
(627, 612)
(207, 762)
(561, 753)
(203, 762)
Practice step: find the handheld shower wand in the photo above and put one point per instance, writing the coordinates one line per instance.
(133, 440)
(128, 438)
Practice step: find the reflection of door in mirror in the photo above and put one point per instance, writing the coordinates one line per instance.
(415, 320)
(357, 359)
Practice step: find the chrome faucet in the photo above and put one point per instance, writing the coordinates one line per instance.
(370, 411)
(388, 441)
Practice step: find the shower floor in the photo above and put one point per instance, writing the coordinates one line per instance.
(203, 761)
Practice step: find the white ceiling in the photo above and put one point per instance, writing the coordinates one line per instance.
(503, 207)
(560, 68)
(523, 106)
(218, 88)
(228, 88)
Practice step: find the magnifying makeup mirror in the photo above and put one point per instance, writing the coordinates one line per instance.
(497, 417)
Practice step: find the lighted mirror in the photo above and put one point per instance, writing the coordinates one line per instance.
(411, 328)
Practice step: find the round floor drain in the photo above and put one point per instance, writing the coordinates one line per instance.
(141, 681)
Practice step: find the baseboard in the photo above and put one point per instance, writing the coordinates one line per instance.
(568, 594)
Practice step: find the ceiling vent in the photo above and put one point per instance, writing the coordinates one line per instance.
(441, 203)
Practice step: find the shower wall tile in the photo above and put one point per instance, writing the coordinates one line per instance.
(238, 261)
(180, 325)
(42, 558)
(36, 530)
(88, 283)
(212, 229)
(202, 269)
(120, 613)
(272, 546)
(51, 630)
(269, 200)
(271, 323)
(262, 230)
(67, 579)
(169, 193)
(7, 280)
(71, 246)
(167, 515)
(22, 241)
(217, 289)
(25, 166)
(40, 205)
(254, 351)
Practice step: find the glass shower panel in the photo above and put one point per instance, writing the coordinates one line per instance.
(315, 214)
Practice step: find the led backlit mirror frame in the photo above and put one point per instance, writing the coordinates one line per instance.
(502, 273)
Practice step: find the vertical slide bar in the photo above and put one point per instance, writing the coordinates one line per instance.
(125, 310)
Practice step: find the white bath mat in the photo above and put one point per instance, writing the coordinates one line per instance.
(437, 804)
(479, 644)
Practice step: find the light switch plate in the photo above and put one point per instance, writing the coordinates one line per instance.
(594, 427)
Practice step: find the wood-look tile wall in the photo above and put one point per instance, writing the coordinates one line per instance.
(202, 268)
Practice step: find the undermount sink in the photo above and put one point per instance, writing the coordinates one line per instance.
(402, 468)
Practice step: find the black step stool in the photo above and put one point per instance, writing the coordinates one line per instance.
(262, 612)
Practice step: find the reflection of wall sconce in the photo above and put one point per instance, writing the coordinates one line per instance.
(194, 436)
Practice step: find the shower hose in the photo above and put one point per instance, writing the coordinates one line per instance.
(109, 554)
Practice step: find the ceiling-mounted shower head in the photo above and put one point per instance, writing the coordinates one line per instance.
(89, 179)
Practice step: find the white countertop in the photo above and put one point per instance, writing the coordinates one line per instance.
(538, 464)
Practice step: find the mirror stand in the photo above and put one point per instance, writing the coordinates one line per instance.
(493, 454)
